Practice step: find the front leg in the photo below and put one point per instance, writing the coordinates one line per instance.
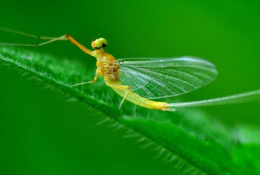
(93, 81)
(84, 49)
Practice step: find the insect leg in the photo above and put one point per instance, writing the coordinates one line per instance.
(34, 45)
(65, 37)
(123, 99)
(93, 81)
(27, 34)
(84, 49)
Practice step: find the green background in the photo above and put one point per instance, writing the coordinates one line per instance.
(43, 132)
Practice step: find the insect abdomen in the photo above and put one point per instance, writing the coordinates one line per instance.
(138, 100)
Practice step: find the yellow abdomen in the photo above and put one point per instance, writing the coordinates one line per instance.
(138, 100)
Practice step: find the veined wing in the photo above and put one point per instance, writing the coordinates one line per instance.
(155, 78)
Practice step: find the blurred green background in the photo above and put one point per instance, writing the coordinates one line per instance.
(42, 132)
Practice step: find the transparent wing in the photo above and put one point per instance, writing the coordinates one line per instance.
(159, 78)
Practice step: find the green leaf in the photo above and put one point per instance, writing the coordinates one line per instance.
(189, 138)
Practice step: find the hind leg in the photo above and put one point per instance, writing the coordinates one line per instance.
(122, 87)
(120, 105)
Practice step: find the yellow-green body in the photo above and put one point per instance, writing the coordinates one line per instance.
(108, 67)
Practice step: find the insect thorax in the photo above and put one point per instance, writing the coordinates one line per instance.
(109, 67)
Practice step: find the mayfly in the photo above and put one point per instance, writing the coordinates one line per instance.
(141, 80)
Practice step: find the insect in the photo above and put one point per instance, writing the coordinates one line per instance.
(141, 80)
